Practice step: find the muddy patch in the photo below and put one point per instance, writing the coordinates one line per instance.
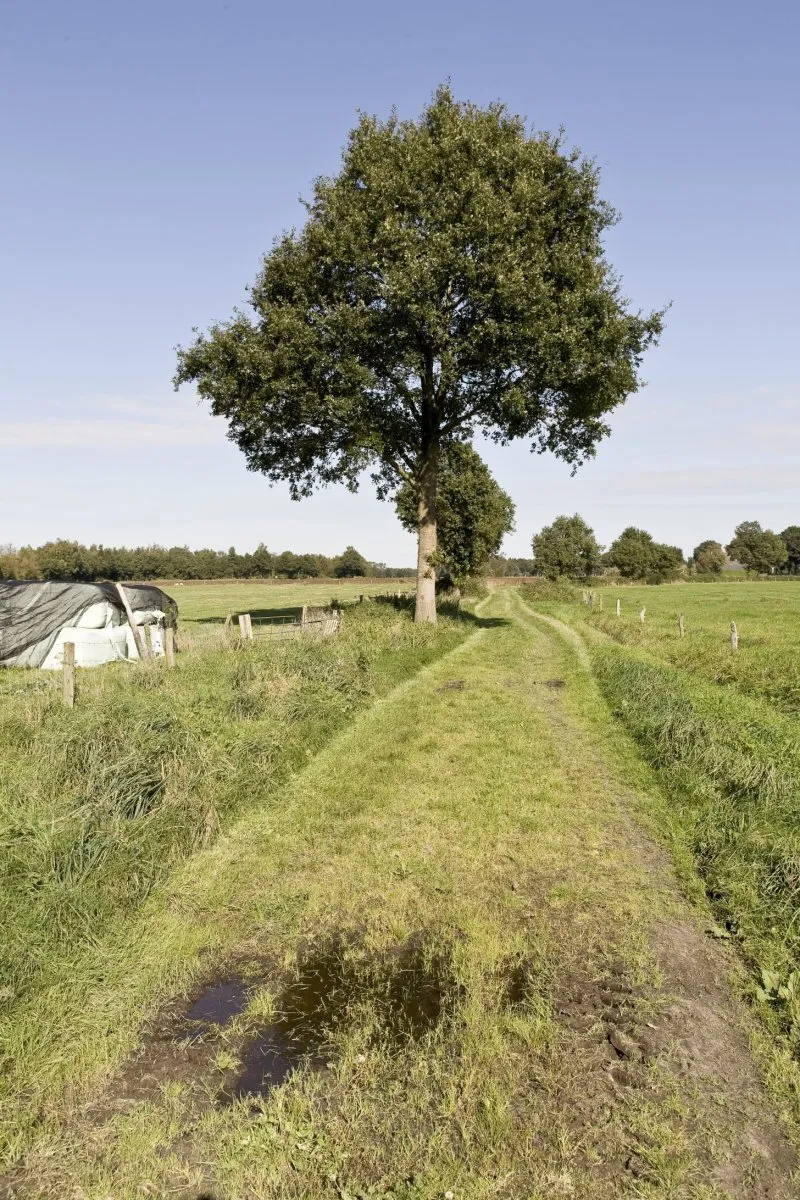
(395, 996)
(453, 685)
(555, 684)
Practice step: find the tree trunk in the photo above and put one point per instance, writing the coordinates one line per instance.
(426, 543)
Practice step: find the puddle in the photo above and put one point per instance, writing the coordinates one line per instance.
(218, 1005)
(267, 1062)
(395, 996)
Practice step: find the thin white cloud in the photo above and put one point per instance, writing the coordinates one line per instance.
(120, 422)
(771, 431)
(681, 485)
(103, 435)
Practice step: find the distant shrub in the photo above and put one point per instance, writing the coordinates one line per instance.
(563, 590)
(474, 587)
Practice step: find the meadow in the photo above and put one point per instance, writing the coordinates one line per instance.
(376, 916)
(201, 603)
(767, 617)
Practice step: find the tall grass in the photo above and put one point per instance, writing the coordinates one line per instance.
(100, 803)
(732, 769)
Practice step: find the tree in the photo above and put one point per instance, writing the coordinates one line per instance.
(637, 556)
(757, 549)
(709, 557)
(667, 563)
(791, 540)
(632, 553)
(451, 277)
(567, 547)
(350, 564)
(473, 513)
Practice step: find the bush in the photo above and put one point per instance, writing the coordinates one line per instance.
(554, 590)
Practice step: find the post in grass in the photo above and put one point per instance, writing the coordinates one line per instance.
(681, 626)
(169, 645)
(619, 606)
(68, 667)
(642, 614)
(245, 627)
(734, 636)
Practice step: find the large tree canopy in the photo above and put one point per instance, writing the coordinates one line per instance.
(473, 513)
(450, 277)
(709, 557)
(567, 547)
(637, 556)
(757, 549)
(790, 536)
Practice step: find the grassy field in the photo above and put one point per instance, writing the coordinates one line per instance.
(721, 729)
(376, 917)
(438, 925)
(199, 603)
(767, 617)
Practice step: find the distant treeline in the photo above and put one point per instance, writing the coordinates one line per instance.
(498, 566)
(70, 560)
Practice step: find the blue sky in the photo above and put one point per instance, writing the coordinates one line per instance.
(151, 152)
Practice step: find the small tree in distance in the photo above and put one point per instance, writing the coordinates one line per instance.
(709, 557)
(790, 537)
(351, 564)
(637, 556)
(757, 549)
(567, 547)
(451, 277)
(473, 513)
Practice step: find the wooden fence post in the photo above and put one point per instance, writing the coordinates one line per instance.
(148, 640)
(734, 636)
(137, 637)
(642, 613)
(600, 602)
(169, 645)
(68, 666)
(244, 626)
(619, 606)
(228, 621)
(681, 626)
(304, 617)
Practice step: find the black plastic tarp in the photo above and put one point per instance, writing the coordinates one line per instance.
(32, 612)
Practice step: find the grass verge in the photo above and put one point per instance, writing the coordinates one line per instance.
(100, 805)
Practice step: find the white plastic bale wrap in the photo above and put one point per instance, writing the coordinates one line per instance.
(34, 615)
(93, 647)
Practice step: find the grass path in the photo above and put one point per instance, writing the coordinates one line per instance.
(503, 993)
